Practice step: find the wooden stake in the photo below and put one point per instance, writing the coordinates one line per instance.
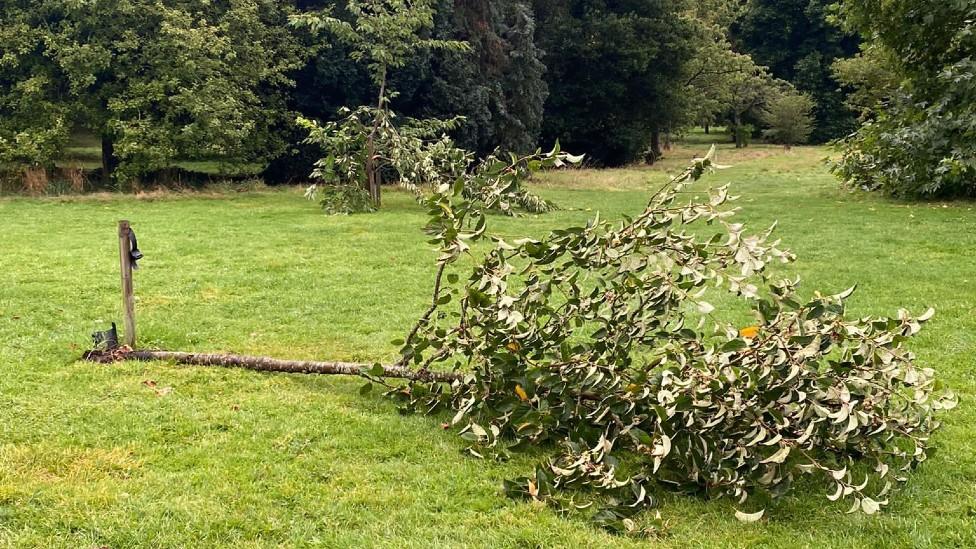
(128, 297)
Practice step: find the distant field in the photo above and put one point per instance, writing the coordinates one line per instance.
(156, 455)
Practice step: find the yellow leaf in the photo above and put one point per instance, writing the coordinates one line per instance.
(749, 332)
(513, 346)
(523, 396)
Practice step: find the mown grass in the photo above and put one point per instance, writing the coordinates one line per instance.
(136, 454)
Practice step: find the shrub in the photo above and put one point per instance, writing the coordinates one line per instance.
(790, 119)
(343, 199)
(742, 134)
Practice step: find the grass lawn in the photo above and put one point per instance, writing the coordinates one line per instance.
(157, 455)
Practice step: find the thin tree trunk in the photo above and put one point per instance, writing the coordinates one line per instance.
(265, 364)
(372, 185)
(706, 128)
(372, 170)
(655, 153)
(109, 162)
(740, 140)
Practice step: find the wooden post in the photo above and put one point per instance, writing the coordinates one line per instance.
(128, 297)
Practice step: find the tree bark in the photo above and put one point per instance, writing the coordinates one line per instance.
(372, 175)
(740, 141)
(265, 364)
(372, 170)
(655, 153)
(706, 128)
(109, 162)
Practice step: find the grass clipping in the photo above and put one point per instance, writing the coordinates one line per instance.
(597, 342)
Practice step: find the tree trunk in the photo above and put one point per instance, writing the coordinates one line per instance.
(706, 128)
(109, 162)
(265, 364)
(740, 138)
(372, 172)
(373, 175)
(654, 154)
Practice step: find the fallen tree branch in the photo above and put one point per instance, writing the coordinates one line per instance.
(266, 364)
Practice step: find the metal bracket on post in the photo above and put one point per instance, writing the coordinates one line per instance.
(126, 263)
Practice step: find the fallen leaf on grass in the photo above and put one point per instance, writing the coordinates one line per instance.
(160, 391)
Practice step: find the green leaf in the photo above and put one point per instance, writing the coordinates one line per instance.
(734, 345)
(641, 436)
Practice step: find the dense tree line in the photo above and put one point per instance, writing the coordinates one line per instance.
(158, 81)
(153, 81)
(797, 41)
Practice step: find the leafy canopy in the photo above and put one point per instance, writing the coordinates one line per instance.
(798, 41)
(614, 73)
(790, 119)
(156, 81)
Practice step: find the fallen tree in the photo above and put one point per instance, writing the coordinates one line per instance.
(597, 343)
(266, 364)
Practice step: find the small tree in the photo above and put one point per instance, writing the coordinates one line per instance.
(749, 88)
(385, 35)
(789, 118)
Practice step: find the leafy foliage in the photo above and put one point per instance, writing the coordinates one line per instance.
(722, 84)
(871, 75)
(155, 81)
(383, 35)
(498, 86)
(343, 199)
(920, 139)
(597, 342)
(614, 73)
(418, 156)
(798, 42)
(789, 119)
